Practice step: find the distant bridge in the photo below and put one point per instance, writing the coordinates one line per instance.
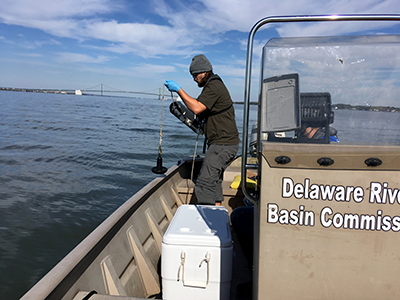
(100, 89)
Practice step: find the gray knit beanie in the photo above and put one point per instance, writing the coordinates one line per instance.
(200, 64)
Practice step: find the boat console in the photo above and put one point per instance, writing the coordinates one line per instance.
(327, 209)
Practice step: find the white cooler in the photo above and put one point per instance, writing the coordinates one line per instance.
(196, 255)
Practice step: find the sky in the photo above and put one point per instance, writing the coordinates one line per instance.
(136, 45)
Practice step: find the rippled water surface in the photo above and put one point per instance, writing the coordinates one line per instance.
(66, 163)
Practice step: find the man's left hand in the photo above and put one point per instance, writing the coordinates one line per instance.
(172, 86)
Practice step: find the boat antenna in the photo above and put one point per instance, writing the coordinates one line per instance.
(159, 169)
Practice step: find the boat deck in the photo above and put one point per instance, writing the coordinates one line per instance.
(121, 258)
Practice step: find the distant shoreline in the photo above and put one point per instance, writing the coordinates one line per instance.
(50, 91)
(74, 92)
(341, 106)
(366, 107)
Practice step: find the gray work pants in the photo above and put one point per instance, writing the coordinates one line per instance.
(208, 187)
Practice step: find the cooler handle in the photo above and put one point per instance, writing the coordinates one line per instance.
(196, 284)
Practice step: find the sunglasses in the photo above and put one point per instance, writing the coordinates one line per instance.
(196, 74)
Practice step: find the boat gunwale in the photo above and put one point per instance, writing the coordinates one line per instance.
(65, 273)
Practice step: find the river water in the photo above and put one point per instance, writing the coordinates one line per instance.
(67, 162)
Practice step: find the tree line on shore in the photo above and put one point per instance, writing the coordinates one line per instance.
(366, 107)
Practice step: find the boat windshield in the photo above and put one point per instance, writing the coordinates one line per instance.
(355, 78)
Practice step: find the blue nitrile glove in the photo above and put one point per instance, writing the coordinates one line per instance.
(172, 86)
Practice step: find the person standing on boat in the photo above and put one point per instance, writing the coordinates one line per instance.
(215, 104)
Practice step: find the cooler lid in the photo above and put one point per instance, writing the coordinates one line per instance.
(199, 225)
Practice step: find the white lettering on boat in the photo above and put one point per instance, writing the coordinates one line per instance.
(293, 217)
(321, 192)
(383, 195)
(376, 222)
(337, 195)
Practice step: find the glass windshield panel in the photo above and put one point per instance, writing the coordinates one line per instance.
(361, 74)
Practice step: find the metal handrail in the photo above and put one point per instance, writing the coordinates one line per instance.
(284, 19)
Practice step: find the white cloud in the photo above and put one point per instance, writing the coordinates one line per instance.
(145, 40)
(149, 70)
(15, 11)
(27, 44)
(229, 70)
(185, 28)
(142, 71)
(32, 55)
(225, 15)
(67, 57)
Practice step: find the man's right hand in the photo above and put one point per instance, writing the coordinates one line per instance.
(172, 86)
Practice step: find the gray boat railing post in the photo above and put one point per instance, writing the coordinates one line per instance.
(284, 19)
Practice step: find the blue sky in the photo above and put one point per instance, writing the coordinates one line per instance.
(137, 45)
